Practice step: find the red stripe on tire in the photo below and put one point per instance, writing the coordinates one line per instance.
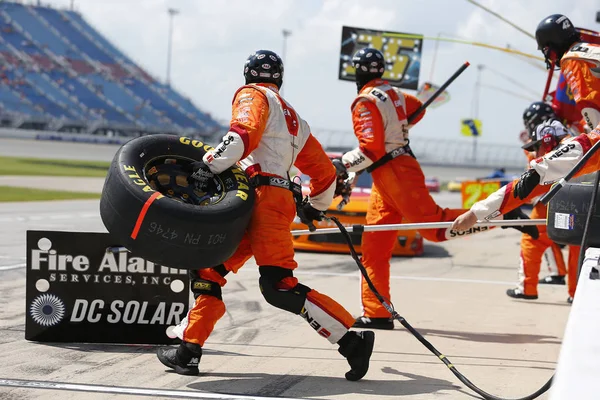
(142, 215)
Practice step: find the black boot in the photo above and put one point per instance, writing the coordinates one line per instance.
(518, 294)
(184, 359)
(373, 323)
(357, 347)
(553, 280)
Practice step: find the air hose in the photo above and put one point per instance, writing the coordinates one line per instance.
(390, 308)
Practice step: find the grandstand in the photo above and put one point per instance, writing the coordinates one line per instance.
(59, 74)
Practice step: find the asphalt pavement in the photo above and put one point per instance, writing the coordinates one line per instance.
(454, 295)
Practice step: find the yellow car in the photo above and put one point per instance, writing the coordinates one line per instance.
(408, 243)
(455, 185)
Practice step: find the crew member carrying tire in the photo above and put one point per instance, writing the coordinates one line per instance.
(268, 137)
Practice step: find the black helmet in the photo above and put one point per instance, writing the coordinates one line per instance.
(264, 66)
(555, 35)
(369, 64)
(535, 114)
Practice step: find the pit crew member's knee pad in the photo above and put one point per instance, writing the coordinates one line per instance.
(201, 282)
(278, 293)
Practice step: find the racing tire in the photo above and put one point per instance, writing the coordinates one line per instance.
(567, 213)
(163, 228)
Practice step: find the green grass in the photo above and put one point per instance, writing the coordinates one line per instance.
(48, 167)
(9, 193)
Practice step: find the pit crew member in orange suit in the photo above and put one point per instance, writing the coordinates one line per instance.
(509, 197)
(537, 113)
(565, 111)
(267, 137)
(545, 139)
(379, 116)
(579, 61)
(555, 262)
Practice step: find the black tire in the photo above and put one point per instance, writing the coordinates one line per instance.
(567, 213)
(165, 230)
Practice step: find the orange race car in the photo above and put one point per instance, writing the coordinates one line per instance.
(409, 243)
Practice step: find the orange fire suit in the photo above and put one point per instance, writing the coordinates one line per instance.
(268, 137)
(505, 200)
(379, 116)
(577, 65)
(580, 67)
(533, 251)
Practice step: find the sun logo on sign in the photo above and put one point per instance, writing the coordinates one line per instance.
(47, 310)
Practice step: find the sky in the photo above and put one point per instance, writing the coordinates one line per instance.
(212, 39)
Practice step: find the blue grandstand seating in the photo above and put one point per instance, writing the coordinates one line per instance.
(120, 97)
(46, 85)
(73, 35)
(185, 103)
(56, 66)
(156, 100)
(41, 101)
(11, 102)
(39, 32)
(112, 50)
(16, 38)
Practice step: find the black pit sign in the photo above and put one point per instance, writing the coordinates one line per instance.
(77, 291)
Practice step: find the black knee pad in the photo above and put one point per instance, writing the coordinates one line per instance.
(290, 300)
(201, 286)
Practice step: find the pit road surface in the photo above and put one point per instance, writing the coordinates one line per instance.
(454, 295)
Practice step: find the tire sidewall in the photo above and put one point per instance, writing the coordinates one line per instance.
(172, 232)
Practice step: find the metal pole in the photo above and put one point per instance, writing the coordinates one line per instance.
(172, 12)
(476, 107)
(548, 81)
(393, 227)
(285, 34)
(420, 226)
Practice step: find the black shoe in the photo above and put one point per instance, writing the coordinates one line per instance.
(184, 359)
(373, 323)
(357, 347)
(570, 300)
(518, 294)
(553, 280)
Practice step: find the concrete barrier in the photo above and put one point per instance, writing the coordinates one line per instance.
(60, 136)
(579, 361)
